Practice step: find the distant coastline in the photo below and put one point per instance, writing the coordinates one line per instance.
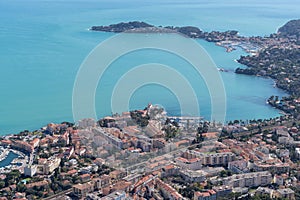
(189, 31)
(230, 39)
(278, 51)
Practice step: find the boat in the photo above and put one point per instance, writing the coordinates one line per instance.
(222, 70)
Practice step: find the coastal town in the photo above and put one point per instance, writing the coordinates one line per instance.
(144, 154)
(223, 78)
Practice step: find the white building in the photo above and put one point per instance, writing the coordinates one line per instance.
(117, 195)
(298, 153)
(211, 158)
(253, 179)
(30, 170)
(191, 164)
(47, 166)
(85, 123)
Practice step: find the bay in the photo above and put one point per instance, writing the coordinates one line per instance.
(43, 44)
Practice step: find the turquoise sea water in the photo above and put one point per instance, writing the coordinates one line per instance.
(10, 157)
(43, 43)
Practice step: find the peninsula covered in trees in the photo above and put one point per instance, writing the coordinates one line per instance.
(287, 36)
(280, 60)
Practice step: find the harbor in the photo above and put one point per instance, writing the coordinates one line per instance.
(11, 159)
(3, 153)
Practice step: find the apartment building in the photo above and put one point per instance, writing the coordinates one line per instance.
(253, 179)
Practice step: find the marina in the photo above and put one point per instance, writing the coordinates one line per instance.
(11, 159)
(3, 153)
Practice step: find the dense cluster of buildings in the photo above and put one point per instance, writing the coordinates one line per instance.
(124, 161)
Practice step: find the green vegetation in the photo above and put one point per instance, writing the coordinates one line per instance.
(225, 173)
(279, 60)
(203, 128)
(139, 118)
(291, 30)
(281, 64)
(171, 129)
(104, 122)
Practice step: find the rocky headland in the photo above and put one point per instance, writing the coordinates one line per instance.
(227, 39)
(286, 36)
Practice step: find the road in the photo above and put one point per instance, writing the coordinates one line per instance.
(59, 194)
(254, 131)
(172, 152)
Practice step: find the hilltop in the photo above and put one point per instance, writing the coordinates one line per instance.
(291, 29)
